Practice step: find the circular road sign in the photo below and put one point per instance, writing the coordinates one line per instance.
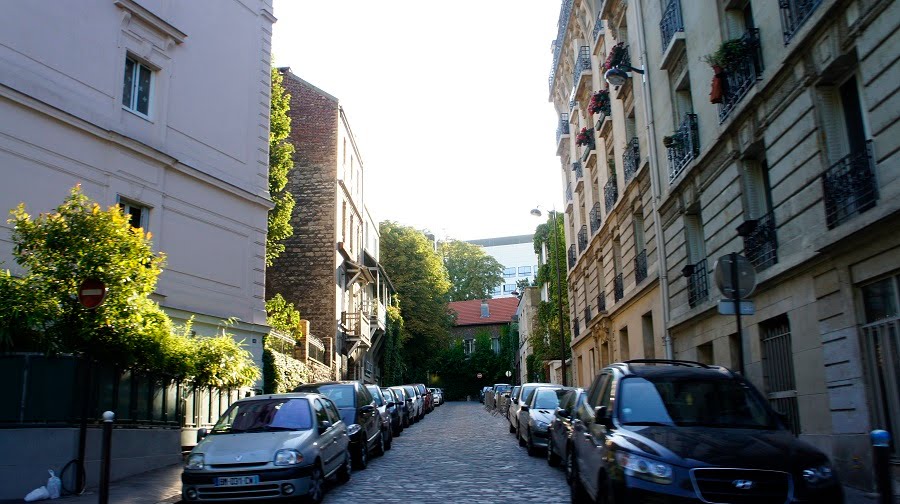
(725, 276)
(479, 375)
(91, 293)
(508, 374)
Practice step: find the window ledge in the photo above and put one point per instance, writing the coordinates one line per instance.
(152, 20)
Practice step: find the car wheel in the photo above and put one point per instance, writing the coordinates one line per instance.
(362, 457)
(316, 485)
(512, 430)
(519, 435)
(390, 439)
(552, 457)
(578, 492)
(346, 470)
(379, 446)
(532, 450)
(570, 464)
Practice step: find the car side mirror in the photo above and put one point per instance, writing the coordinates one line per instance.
(202, 432)
(562, 413)
(367, 408)
(524, 407)
(391, 404)
(324, 426)
(601, 416)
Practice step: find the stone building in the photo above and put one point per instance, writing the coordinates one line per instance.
(330, 268)
(526, 314)
(482, 316)
(785, 152)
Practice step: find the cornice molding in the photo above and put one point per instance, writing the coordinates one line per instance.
(137, 11)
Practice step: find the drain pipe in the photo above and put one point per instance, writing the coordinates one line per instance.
(654, 182)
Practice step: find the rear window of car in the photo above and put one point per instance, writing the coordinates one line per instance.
(341, 395)
(411, 391)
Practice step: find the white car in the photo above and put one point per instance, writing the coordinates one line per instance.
(418, 411)
(437, 395)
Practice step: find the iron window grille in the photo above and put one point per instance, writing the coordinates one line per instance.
(572, 256)
(850, 187)
(579, 171)
(761, 242)
(631, 158)
(640, 267)
(601, 302)
(561, 25)
(881, 345)
(794, 13)
(684, 147)
(671, 23)
(587, 314)
(741, 75)
(568, 193)
(778, 369)
(577, 324)
(619, 287)
(563, 127)
(594, 218)
(610, 194)
(582, 63)
(582, 239)
(698, 284)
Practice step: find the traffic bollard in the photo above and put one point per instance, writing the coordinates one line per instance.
(881, 448)
(108, 417)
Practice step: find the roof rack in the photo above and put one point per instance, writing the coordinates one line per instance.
(672, 362)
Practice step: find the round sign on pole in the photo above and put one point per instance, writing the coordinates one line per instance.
(724, 274)
(508, 374)
(91, 293)
(478, 376)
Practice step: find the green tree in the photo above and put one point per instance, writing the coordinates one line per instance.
(282, 316)
(545, 340)
(473, 273)
(392, 366)
(418, 273)
(280, 163)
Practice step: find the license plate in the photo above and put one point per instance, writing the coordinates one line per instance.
(237, 481)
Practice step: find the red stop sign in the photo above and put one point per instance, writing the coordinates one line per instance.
(91, 293)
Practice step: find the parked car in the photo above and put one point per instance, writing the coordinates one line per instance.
(524, 396)
(357, 407)
(535, 416)
(418, 402)
(395, 408)
(678, 430)
(410, 406)
(438, 396)
(427, 398)
(501, 395)
(560, 441)
(513, 396)
(275, 445)
(482, 394)
(387, 432)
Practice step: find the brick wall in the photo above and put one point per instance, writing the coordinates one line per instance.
(305, 272)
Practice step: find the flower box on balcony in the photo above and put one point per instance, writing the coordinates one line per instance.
(617, 56)
(585, 137)
(600, 102)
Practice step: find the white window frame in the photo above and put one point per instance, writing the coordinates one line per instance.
(132, 107)
(127, 204)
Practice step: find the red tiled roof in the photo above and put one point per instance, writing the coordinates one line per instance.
(469, 312)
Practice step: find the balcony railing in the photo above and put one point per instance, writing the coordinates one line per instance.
(579, 171)
(850, 187)
(761, 243)
(582, 64)
(601, 302)
(598, 25)
(562, 24)
(563, 127)
(741, 76)
(631, 159)
(671, 23)
(610, 194)
(698, 283)
(568, 193)
(794, 13)
(582, 239)
(619, 287)
(640, 267)
(594, 218)
(587, 315)
(684, 146)
(572, 256)
(577, 327)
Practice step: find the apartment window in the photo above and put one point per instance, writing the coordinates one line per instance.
(624, 350)
(778, 368)
(138, 215)
(138, 86)
(468, 346)
(881, 348)
(508, 288)
(509, 272)
(495, 345)
(524, 270)
(649, 340)
(496, 291)
(760, 243)
(698, 285)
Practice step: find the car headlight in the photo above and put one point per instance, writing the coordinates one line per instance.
(644, 468)
(287, 457)
(194, 461)
(540, 424)
(815, 476)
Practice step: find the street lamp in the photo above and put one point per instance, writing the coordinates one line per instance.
(562, 338)
(618, 75)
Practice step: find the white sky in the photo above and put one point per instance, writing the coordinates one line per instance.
(448, 102)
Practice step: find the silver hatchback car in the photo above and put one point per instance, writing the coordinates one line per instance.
(270, 447)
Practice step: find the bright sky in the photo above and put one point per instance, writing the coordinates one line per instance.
(448, 102)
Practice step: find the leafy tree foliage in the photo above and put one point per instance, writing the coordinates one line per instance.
(280, 163)
(473, 273)
(457, 373)
(393, 368)
(282, 316)
(545, 340)
(418, 273)
(79, 240)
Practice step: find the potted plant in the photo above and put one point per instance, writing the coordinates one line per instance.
(585, 137)
(672, 141)
(730, 55)
(599, 102)
(615, 56)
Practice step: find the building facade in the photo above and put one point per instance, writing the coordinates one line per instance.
(771, 131)
(122, 103)
(488, 316)
(330, 268)
(516, 254)
(526, 314)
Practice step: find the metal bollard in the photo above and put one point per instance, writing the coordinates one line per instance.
(108, 417)
(881, 448)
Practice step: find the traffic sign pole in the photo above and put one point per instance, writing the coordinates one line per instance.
(736, 281)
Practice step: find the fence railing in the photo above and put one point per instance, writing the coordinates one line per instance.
(741, 76)
(631, 158)
(619, 287)
(572, 256)
(850, 187)
(582, 238)
(610, 194)
(598, 26)
(684, 146)
(794, 13)
(601, 302)
(582, 64)
(698, 284)
(881, 346)
(640, 266)
(594, 218)
(761, 243)
(563, 127)
(578, 169)
(671, 23)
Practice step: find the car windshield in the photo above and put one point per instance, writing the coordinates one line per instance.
(388, 395)
(341, 395)
(410, 391)
(376, 395)
(691, 402)
(265, 415)
(526, 393)
(547, 398)
(503, 388)
(401, 396)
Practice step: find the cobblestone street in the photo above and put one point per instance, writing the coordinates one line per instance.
(459, 453)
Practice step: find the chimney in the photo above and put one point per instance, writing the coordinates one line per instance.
(485, 309)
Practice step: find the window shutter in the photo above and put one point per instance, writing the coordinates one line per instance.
(694, 237)
(836, 144)
(639, 243)
(754, 190)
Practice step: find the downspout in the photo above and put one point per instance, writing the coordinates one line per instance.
(654, 183)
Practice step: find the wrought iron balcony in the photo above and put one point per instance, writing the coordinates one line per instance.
(572, 256)
(671, 22)
(631, 159)
(582, 239)
(794, 13)
(582, 64)
(698, 283)
(569, 194)
(640, 267)
(850, 187)
(587, 314)
(563, 127)
(760, 241)
(562, 24)
(610, 194)
(619, 287)
(579, 171)
(601, 302)
(684, 146)
(594, 218)
(741, 75)
(576, 326)
(598, 26)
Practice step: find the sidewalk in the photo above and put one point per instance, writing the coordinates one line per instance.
(160, 486)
